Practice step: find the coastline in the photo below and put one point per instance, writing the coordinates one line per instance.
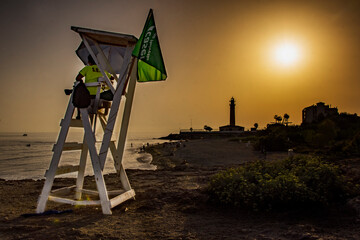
(171, 203)
(218, 153)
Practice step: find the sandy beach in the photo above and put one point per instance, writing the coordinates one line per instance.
(171, 203)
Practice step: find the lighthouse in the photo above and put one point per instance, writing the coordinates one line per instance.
(232, 112)
(232, 127)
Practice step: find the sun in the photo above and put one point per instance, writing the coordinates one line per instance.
(286, 53)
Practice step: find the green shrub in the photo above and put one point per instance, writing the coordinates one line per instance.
(276, 137)
(293, 182)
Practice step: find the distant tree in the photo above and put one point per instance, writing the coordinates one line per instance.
(256, 125)
(208, 128)
(286, 119)
(277, 119)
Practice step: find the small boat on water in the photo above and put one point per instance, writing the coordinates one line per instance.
(24, 135)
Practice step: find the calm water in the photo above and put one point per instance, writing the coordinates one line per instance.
(27, 157)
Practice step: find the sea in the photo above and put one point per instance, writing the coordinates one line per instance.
(28, 155)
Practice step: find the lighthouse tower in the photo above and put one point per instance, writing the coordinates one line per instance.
(232, 126)
(232, 112)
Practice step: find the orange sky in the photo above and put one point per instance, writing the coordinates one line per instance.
(213, 50)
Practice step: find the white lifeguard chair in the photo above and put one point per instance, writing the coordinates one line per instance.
(112, 52)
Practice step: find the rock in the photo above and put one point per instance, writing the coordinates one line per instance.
(309, 236)
(188, 209)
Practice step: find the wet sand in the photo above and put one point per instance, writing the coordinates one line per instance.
(171, 203)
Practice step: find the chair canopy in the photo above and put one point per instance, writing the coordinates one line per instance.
(113, 45)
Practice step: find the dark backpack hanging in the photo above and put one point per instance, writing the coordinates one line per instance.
(81, 96)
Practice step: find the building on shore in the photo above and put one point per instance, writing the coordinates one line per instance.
(317, 112)
(232, 126)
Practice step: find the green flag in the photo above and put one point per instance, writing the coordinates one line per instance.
(150, 62)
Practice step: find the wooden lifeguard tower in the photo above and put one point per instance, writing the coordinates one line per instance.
(112, 52)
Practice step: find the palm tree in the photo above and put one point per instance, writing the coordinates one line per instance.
(256, 125)
(286, 119)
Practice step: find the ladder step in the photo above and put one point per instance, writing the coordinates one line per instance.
(63, 190)
(73, 202)
(122, 198)
(73, 123)
(70, 146)
(67, 169)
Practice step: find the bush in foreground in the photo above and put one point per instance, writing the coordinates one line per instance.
(293, 182)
